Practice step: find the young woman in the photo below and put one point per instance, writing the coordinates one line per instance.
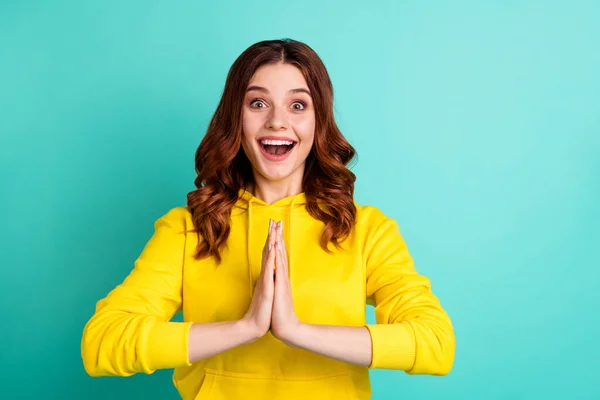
(271, 261)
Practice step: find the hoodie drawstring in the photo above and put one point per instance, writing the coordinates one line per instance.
(249, 249)
(251, 252)
(289, 241)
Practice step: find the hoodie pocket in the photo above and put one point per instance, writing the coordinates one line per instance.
(223, 385)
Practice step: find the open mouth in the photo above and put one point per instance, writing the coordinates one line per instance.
(277, 147)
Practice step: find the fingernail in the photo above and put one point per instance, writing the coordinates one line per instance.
(270, 225)
(270, 245)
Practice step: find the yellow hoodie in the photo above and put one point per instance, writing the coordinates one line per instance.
(132, 332)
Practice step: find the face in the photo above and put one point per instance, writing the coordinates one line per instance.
(278, 123)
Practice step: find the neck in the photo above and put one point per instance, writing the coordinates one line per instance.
(272, 191)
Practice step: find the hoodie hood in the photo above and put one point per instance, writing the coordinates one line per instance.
(259, 212)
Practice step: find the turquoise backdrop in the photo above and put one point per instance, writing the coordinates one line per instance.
(477, 126)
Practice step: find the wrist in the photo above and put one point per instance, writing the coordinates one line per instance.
(293, 336)
(248, 330)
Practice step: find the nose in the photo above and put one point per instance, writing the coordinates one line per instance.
(277, 119)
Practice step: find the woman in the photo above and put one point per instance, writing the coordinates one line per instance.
(272, 262)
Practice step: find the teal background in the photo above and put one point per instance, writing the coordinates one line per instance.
(477, 126)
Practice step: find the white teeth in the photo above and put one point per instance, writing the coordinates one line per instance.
(276, 142)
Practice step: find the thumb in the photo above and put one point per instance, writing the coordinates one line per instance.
(270, 267)
(280, 270)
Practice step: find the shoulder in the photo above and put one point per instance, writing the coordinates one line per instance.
(178, 219)
(379, 233)
(370, 217)
(375, 227)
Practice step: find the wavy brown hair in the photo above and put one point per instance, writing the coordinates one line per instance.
(223, 169)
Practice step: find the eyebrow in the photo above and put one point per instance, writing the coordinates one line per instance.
(262, 89)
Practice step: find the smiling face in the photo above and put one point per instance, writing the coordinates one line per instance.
(278, 123)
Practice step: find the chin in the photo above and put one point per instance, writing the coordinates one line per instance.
(274, 175)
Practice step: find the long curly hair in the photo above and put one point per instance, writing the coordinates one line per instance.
(223, 168)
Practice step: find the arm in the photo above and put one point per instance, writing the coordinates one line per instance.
(345, 343)
(207, 340)
(349, 344)
(131, 331)
(413, 333)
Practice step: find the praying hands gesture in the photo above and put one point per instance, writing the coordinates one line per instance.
(284, 321)
(272, 308)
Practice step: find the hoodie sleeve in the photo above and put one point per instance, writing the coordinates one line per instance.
(413, 332)
(131, 331)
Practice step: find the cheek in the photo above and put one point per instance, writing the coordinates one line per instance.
(248, 132)
(251, 124)
(305, 129)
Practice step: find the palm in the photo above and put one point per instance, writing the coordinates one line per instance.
(258, 315)
(283, 318)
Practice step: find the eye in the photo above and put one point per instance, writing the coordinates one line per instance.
(257, 101)
(299, 105)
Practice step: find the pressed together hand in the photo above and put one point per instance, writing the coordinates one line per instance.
(284, 322)
(259, 313)
(272, 306)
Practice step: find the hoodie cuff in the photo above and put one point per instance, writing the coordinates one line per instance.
(393, 346)
(167, 345)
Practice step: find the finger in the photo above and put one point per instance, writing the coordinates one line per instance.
(280, 270)
(272, 233)
(273, 240)
(267, 241)
(284, 250)
(268, 247)
(284, 256)
(272, 226)
(280, 230)
(269, 265)
(284, 266)
(282, 283)
(283, 262)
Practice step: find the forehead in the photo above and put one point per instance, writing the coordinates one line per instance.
(278, 78)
